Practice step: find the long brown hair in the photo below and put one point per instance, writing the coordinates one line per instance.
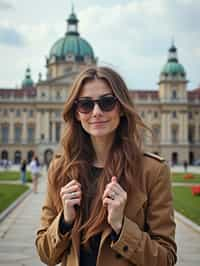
(124, 158)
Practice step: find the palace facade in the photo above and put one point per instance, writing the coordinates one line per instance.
(30, 117)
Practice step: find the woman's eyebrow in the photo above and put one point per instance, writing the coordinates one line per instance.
(100, 96)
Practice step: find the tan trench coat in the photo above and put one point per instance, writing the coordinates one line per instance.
(149, 209)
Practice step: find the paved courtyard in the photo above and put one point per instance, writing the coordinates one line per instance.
(17, 234)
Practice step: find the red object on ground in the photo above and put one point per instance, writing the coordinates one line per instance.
(188, 176)
(195, 190)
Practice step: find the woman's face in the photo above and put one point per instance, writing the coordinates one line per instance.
(98, 123)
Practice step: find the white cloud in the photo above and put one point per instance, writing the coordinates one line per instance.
(5, 5)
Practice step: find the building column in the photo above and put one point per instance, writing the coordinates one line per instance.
(46, 126)
(53, 132)
(164, 128)
(24, 129)
(11, 130)
(169, 130)
(38, 127)
(196, 136)
(185, 128)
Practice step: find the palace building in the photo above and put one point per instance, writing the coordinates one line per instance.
(31, 121)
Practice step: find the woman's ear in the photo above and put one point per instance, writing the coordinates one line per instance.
(121, 113)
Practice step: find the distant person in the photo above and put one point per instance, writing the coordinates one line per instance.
(185, 165)
(23, 171)
(35, 169)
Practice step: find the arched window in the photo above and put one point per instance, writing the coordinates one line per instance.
(17, 158)
(4, 155)
(174, 158)
(30, 155)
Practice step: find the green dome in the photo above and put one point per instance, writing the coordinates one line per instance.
(72, 45)
(173, 68)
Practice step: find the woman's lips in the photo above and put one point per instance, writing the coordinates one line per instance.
(98, 122)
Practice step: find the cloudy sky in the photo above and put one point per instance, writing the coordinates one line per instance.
(133, 36)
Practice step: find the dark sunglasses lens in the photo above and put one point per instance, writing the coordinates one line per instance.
(85, 106)
(107, 103)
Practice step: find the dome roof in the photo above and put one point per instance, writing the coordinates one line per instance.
(173, 67)
(72, 44)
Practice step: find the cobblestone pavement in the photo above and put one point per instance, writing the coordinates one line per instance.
(17, 234)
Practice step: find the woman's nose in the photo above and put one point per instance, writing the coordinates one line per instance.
(96, 110)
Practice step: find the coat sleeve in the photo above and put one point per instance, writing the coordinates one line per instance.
(50, 243)
(156, 246)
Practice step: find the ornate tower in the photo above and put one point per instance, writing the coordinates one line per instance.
(70, 53)
(27, 82)
(174, 108)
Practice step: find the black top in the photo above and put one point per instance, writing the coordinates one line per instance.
(23, 167)
(88, 256)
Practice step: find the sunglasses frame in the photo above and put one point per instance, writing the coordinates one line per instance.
(98, 101)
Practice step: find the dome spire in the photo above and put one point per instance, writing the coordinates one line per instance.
(172, 56)
(27, 82)
(72, 23)
(72, 8)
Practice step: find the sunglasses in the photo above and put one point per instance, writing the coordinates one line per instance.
(105, 103)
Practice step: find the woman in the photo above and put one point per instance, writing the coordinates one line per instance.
(23, 171)
(35, 172)
(107, 203)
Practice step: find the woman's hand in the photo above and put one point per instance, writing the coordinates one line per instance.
(70, 196)
(114, 198)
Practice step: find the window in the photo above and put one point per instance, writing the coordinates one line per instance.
(17, 158)
(174, 115)
(58, 95)
(174, 135)
(155, 114)
(17, 133)
(30, 113)
(191, 131)
(18, 113)
(174, 94)
(57, 132)
(57, 114)
(31, 132)
(5, 134)
(156, 133)
(5, 112)
(190, 115)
